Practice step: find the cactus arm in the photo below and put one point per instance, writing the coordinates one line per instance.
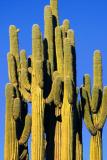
(27, 130)
(95, 99)
(87, 84)
(24, 154)
(26, 95)
(86, 111)
(50, 98)
(58, 91)
(68, 59)
(13, 33)
(49, 35)
(103, 115)
(97, 69)
(36, 44)
(54, 8)
(14, 46)
(12, 69)
(16, 108)
(59, 49)
(70, 35)
(24, 71)
(64, 28)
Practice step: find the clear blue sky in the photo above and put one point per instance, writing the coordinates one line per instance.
(89, 20)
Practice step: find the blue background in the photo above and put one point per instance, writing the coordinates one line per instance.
(89, 20)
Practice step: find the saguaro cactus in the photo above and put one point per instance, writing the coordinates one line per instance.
(13, 150)
(37, 95)
(47, 80)
(68, 103)
(11, 142)
(96, 106)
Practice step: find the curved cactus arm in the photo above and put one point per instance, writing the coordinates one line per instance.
(103, 114)
(12, 71)
(50, 97)
(24, 80)
(27, 130)
(26, 95)
(24, 154)
(86, 111)
(56, 90)
(95, 99)
(16, 108)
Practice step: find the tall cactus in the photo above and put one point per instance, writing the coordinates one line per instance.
(17, 69)
(11, 142)
(13, 130)
(47, 80)
(68, 104)
(96, 104)
(37, 96)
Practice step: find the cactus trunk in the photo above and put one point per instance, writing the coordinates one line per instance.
(37, 96)
(11, 142)
(96, 141)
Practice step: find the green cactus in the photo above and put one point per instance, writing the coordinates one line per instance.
(47, 79)
(37, 95)
(12, 124)
(59, 50)
(86, 111)
(12, 70)
(27, 130)
(68, 104)
(16, 108)
(49, 35)
(11, 142)
(96, 103)
(54, 8)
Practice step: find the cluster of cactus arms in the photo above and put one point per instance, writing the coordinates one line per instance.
(47, 80)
